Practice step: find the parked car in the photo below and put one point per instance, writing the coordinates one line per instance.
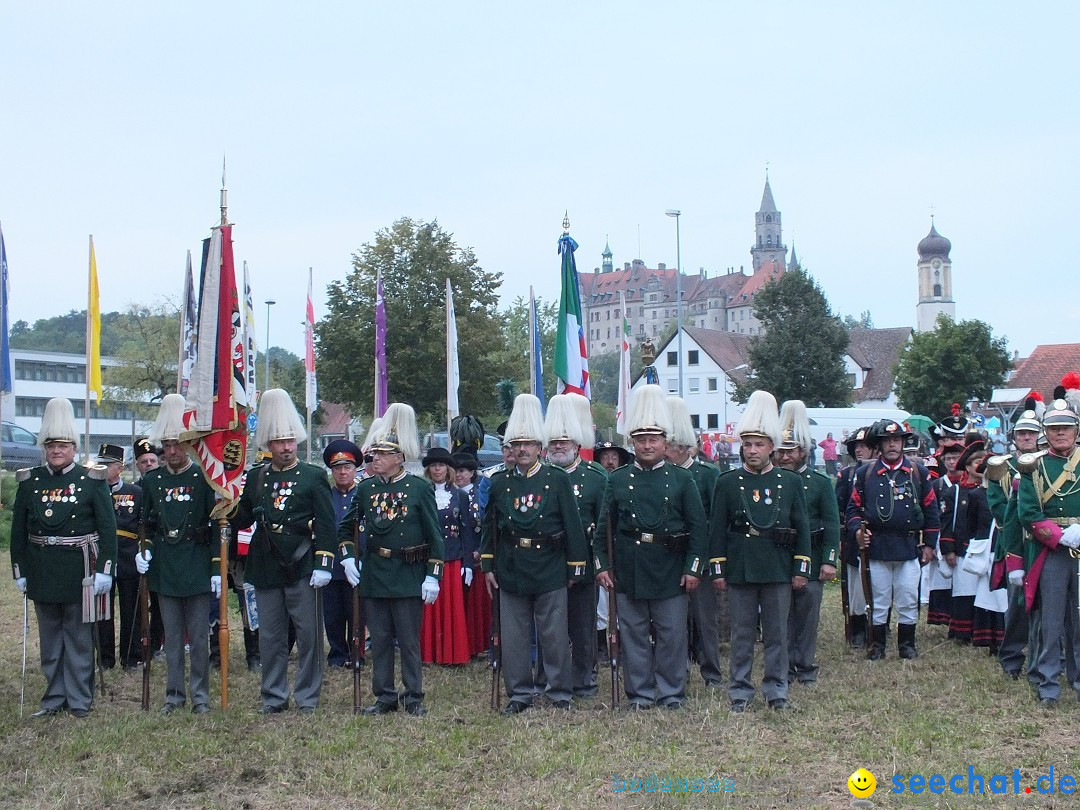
(489, 455)
(20, 447)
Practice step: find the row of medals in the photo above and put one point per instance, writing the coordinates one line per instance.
(68, 498)
(530, 501)
(174, 495)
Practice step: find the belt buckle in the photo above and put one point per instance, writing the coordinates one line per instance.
(53, 540)
(525, 542)
(384, 552)
(173, 533)
(274, 528)
(752, 531)
(647, 537)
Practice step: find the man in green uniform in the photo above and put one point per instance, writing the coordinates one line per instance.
(660, 551)
(532, 544)
(178, 559)
(565, 435)
(1048, 506)
(63, 556)
(760, 553)
(290, 556)
(824, 516)
(402, 558)
(704, 611)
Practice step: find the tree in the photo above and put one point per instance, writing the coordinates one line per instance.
(511, 359)
(801, 353)
(864, 321)
(958, 361)
(147, 346)
(66, 333)
(415, 259)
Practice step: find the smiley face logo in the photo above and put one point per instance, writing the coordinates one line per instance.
(862, 784)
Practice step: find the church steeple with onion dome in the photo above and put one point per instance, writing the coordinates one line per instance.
(935, 280)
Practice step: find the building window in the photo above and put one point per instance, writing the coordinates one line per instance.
(609, 333)
(673, 385)
(937, 291)
(851, 380)
(616, 313)
(713, 421)
(695, 385)
(692, 357)
(608, 314)
(654, 316)
(695, 421)
(641, 312)
(711, 383)
(654, 330)
(673, 358)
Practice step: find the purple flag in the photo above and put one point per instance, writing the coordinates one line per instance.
(381, 398)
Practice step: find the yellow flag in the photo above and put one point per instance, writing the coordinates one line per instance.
(93, 331)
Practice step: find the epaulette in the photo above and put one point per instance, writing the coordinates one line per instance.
(23, 474)
(97, 472)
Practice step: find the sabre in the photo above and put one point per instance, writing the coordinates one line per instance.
(26, 632)
(357, 630)
(613, 619)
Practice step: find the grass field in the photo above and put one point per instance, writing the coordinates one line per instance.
(942, 713)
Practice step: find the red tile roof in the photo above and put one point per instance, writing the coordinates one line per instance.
(1043, 369)
(336, 418)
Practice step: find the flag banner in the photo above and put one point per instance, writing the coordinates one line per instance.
(93, 331)
(249, 339)
(5, 337)
(536, 361)
(381, 395)
(453, 371)
(188, 310)
(623, 404)
(216, 415)
(571, 356)
(311, 388)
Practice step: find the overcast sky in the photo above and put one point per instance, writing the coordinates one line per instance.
(337, 119)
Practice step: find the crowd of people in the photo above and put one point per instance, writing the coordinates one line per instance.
(568, 552)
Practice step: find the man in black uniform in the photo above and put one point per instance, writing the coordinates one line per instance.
(127, 503)
(859, 449)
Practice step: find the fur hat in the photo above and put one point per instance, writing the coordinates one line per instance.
(397, 433)
(682, 429)
(373, 428)
(58, 422)
(648, 413)
(794, 426)
(278, 419)
(169, 424)
(526, 422)
(561, 420)
(760, 418)
(586, 436)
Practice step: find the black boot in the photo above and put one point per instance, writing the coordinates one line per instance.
(215, 648)
(858, 632)
(877, 642)
(601, 645)
(905, 641)
(251, 650)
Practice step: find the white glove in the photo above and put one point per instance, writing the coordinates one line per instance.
(467, 574)
(1070, 538)
(102, 584)
(1016, 578)
(215, 586)
(319, 578)
(352, 570)
(142, 561)
(20, 583)
(429, 590)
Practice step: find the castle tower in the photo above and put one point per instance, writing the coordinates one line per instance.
(769, 244)
(935, 281)
(606, 267)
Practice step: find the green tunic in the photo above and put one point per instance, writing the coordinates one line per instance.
(588, 480)
(1036, 505)
(824, 516)
(532, 538)
(660, 530)
(176, 513)
(393, 514)
(292, 511)
(747, 508)
(76, 502)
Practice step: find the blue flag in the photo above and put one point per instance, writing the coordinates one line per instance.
(536, 372)
(5, 341)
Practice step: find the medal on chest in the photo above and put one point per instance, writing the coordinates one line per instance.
(124, 501)
(386, 506)
(51, 497)
(526, 502)
(177, 494)
(280, 494)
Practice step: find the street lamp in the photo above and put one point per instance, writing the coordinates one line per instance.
(674, 212)
(266, 383)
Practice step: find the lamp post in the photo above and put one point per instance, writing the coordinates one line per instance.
(266, 383)
(674, 212)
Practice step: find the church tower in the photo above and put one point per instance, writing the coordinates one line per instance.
(606, 267)
(769, 245)
(935, 281)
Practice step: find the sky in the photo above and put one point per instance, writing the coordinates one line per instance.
(336, 119)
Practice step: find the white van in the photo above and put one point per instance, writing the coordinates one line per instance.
(841, 421)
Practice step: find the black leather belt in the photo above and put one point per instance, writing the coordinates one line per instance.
(301, 530)
(675, 541)
(537, 542)
(409, 554)
(779, 535)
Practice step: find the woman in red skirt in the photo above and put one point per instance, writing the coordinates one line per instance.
(444, 638)
(477, 601)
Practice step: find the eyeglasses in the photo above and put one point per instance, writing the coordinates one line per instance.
(368, 458)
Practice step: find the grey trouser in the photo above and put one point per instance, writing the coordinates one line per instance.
(744, 601)
(895, 581)
(1057, 623)
(704, 610)
(803, 631)
(653, 673)
(276, 607)
(581, 622)
(391, 620)
(517, 616)
(186, 620)
(1017, 632)
(67, 655)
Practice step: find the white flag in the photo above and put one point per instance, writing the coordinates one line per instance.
(453, 373)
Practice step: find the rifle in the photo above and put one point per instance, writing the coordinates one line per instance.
(144, 625)
(223, 609)
(868, 593)
(613, 618)
(845, 603)
(357, 630)
(25, 633)
(496, 633)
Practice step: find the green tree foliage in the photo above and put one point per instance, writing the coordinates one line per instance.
(415, 259)
(287, 372)
(512, 356)
(801, 354)
(958, 361)
(864, 321)
(67, 333)
(147, 345)
(506, 392)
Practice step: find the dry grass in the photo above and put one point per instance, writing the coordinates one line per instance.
(949, 709)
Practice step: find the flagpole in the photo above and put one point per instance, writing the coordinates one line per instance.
(89, 348)
(532, 343)
(449, 371)
(308, 371)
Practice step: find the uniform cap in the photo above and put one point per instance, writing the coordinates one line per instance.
(58, 422)
(169, 424)
(586, 436)
(397, 433)
(561, 420)
(526, 422)
(760, 418)
(794, 426)
(682, 429)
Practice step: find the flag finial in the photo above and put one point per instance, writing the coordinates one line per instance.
(224, 195)
(566, 222)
